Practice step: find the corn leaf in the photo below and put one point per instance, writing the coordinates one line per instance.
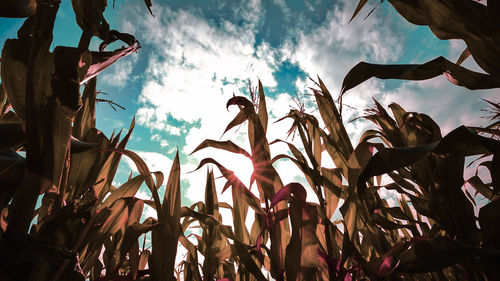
(102, 60)
(454, 73)
(360, 6)
(85, 119)
(460, 141)
(165, 236)
(224, 145)
(262, 108)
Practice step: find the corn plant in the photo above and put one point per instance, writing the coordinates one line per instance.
(434, 220)
(86, 228)
(431, 234)
(68, 161)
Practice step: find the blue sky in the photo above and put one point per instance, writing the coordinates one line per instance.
(196, 54)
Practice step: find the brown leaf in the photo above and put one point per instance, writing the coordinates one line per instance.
(453, 72)
(149, 4)
(361, 3)
(224, 145)
(17, 8)
(102, 60)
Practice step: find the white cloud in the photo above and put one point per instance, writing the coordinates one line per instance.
(196, 65)
(333, 48)
(155, 161)
(163, 143)
(196, 68)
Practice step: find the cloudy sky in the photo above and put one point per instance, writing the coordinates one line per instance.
(196, 54)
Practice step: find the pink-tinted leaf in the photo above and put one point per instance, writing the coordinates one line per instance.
(102, 60)
(289, 191)
(333, 263)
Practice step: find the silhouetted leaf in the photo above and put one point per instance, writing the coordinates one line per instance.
(438, 253)
(165, 236)
(17, 8)
(454, 73)
(361, 3)
(262, 107)
(102, 60)
(15, 131)
(489, 220)
(148, 5)
(224, 145)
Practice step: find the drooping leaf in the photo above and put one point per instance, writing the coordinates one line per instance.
(102, 60)
(233, 181)
(454, 73)
(78, 146)
(114, 35)
(128, 189)
(460, 141)
(144, 170)
(224, 145)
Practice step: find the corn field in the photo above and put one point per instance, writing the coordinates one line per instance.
(85, 228)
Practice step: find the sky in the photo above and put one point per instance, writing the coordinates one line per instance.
(197, 53)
